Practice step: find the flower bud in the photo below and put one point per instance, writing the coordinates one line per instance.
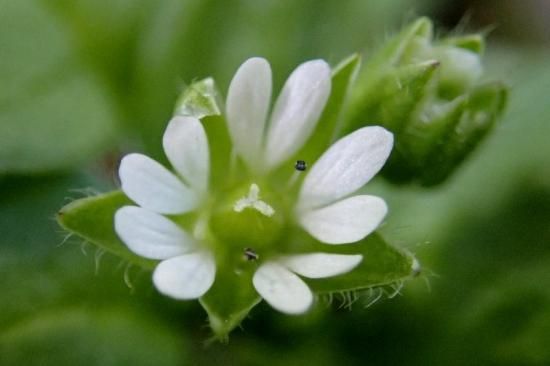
(428, 93)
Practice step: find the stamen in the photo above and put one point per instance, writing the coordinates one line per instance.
(253, 201)
(254, 192)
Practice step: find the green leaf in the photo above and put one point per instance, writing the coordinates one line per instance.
(53, 114)
(106, 34)
(93, 219)
(81, 335)
(178, 44)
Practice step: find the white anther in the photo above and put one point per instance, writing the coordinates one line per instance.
(253, 201)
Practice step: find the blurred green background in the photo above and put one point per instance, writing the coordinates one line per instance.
(83, 81)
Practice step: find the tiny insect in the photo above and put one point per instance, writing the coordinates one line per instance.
(250, 254)
(300, 165)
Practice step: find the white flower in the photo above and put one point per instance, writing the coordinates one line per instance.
(323, 207)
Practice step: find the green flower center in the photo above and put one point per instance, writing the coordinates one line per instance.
(248, 218)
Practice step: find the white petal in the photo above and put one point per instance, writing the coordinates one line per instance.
(345, 221)
(151, 235)
(297, 110)
(346, 166)
(321, 265)
(186, 146)
(154, 187)
(185, 277)
(248, 101)
(282, 289)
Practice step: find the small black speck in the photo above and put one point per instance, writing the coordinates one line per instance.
(300, 165)
(250, 254)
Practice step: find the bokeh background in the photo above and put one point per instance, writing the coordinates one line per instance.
(83, 81)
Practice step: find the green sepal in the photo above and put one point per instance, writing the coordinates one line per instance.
(484, 106)
(444, 135)
(227, 302)
(221, 151)
(431, 129)
(92, 218)
(461, 70)
(381, 80)
(231, 297)
(393, 99)
(471, 42)
(395, 51)
(200, 99)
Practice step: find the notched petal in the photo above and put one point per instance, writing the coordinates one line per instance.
(321, 265)
(151, 235)
(282, 289)
(297, 110)
(185, 277)
(186, 146)
(154, 187)
(345, 221)
(346, 166)
(248, 102)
